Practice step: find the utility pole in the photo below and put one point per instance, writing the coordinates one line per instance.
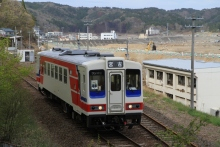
(167, 28)
(29, 45)
(21, 38)
(78, 41)
(127, 55)
(62, 35)
(87, 25)
(193, 26)
(16, 43)
(38, 36)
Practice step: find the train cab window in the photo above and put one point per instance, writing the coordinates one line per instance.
(52, 70)
(56, 72)
(65, 76)
(133, 83)
(115, 82)
(60, 73)
(97, 83)
(48, 69)
(133, 79)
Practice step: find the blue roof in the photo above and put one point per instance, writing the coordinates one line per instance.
(181, 64)
(7, 29)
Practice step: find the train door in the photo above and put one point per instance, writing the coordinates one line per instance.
(115, 102)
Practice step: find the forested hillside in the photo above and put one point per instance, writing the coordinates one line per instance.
(52, 16)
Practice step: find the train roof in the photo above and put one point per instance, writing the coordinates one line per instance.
(74, 56)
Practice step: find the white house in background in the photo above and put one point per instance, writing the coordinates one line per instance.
(109, 36)
(152, 31)
(6, 32)
(84, 36)
(54, 34)
(15, 43)
(172, 78)
(36, 31)
(27, 55)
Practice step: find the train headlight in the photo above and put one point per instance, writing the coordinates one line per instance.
(133, 106)
(100, 107)
(97, 108)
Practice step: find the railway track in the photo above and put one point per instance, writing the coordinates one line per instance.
(152, 132)
(159, 131)
(116, 138)
(31, 81)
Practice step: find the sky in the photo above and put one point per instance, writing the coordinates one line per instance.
(136, 4)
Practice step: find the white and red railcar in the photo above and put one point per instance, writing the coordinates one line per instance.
(100, 89)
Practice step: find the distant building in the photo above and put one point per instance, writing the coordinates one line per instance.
(54, 34)
(109, 36)
(27, 55)
(84, 36)
(15, 43)
(152, 31)
(36, 31)
(172, 77)
(6, 32)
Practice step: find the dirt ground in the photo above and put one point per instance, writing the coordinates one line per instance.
(205, 44)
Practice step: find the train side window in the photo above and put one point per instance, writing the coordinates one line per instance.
(45, 67)
(60, 73)
(56, 72)
(48, 69)
(65, 76)
(133, 79)
(52, 70)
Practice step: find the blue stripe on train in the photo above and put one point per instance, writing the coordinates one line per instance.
(133, 93)
(97, 94)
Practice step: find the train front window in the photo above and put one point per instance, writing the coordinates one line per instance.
(133, 82)
(115, 82)
(97, 83)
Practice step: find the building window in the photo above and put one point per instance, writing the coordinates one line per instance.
(48, 69)
(65, 76)
(151, 73)
(56, 72)
(169, 95)
(189, 82)
(181, 80)
(159, 75)
(170, 79)
(60, 73)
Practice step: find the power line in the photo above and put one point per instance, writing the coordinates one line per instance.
(193, 26)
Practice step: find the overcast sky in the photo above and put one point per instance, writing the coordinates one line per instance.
(133, 4)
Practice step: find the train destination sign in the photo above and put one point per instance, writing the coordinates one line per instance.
(115, 64)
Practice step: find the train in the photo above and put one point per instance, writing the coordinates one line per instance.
(101, 90)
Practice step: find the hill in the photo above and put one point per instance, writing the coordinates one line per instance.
(52, 16)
